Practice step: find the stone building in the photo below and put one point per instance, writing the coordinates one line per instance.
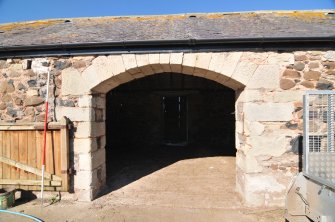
(252, 67)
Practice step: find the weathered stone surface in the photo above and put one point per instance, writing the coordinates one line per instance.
(268, 111)
(99, 102)
(18, 101)
(176, 59)
(90, 129)
(3, 106)
(3, 64)
(85, 101)
(291, 125)
(15, 67)
(91, 161)
(77, 64)
(62, 64)
(249, 95)
(7, 87)
(40, 66)
(26, 64)
(300, 57)
(216, 62)
(11, 112)
(307, 84)
(40, 117)
(286, 83)
(107, 85)
(329, 65)
(253, 128)
(330, 72)
(227, 65)
(75, 113)
(248, 163)
(32, 92)
(20, 86)
(6, 98)
(281, 58)
(143, 64)
(3, 86)
(33, 101)
(32, 83)
(29, 111)
(203, 60)
(65, 102)
(58, 82)
(85, 145)
(289, 73)
(274, 143)
(244, 72)
(312, 75)
(164, 61)
(129, 61)
(29, 73)
(124, 77)
(265, 76)
(73, 83)
(288, 96)
(97, 72)
(13, 74)
(323, 84)
(258, 183)
(154, 63)
(299, 66)
(330, 56)
(117, 65)
(313, 65)
(189, 63)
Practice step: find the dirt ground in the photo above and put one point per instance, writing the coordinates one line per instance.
(198, 189)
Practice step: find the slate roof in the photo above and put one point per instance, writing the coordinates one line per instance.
(259, 25)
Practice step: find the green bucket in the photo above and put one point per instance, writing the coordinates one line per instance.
(7, 199)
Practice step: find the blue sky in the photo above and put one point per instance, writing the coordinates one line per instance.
(25, 10)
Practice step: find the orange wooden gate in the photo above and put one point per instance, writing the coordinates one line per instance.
(21, 151)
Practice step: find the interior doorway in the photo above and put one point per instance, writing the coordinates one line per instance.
(175, 120)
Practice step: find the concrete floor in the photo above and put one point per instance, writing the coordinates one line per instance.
(196, 189)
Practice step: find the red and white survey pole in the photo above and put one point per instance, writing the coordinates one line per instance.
(45, 136)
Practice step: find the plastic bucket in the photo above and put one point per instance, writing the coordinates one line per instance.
(7, 199)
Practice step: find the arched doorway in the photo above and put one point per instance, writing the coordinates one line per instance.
(173, 126)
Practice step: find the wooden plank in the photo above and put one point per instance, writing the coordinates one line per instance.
(39, 147)
(32, 161)
(50, 153)
(30, 169)
(23, 155)
(14, 155)
(6, 169)
(1, 148)
(30, 182)
(57, 153)
(65, 163)
(30, 126)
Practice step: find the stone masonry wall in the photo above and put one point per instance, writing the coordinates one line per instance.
(268, 108)
(270, 124)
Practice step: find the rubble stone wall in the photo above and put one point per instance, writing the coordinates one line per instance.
(269, 88)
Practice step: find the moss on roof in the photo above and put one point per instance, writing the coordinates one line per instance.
(260, 24)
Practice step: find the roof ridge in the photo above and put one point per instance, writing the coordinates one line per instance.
(279, 12)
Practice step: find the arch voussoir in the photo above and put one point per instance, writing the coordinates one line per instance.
(224, 68)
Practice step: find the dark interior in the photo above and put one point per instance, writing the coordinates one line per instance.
(164, 118)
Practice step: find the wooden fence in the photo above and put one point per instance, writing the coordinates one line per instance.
(21, 154)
